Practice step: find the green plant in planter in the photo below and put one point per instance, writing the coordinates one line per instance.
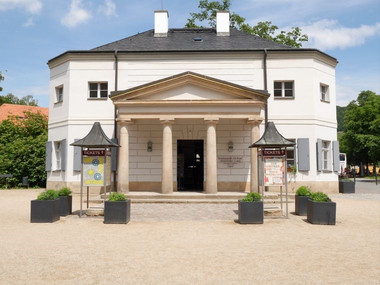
(65, 191)
(303, 191)
(252, 197)
(319, 197)
(116, 197)
(48, 195)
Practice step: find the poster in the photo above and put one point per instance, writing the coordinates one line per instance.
(274, 171)
(93, 170)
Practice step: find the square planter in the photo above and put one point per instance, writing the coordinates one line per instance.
(346, 187)
(301, 205)
(66, 204)
(321, 213)
(117, 212)
(44, 211)
(251, 212)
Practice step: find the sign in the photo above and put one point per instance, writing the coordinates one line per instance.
(230, 160)
(274, 171)
(275, 152)
(93, 152)
(93, 171)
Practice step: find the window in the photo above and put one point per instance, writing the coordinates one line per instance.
(290, 156)
(59, 93)
(283, 89)
(98, 90)
(57, 147)
(326, 155)
(324, 93)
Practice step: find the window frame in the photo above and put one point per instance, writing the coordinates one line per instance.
(288, 167)
(328, 159)
(58, 155)
(59, 94)
(283, 89)
(326, 94)
(98, 90)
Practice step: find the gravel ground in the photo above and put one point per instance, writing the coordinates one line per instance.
(179, 245)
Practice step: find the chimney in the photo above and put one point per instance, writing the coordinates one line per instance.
(223, 23)
(161, 23)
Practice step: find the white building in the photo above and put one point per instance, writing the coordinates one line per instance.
(187, 102)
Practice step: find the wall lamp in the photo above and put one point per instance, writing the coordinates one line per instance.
(149, 146)
(230, 146)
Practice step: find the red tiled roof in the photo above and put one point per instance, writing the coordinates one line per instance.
(18, 110)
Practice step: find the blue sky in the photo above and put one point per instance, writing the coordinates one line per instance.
(34, 31)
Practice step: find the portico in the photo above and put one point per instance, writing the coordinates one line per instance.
(188, 106)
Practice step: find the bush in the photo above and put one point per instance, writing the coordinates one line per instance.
(303, 191)
(48, 195)
(319, 197)
(65, 191)
(252, 197)
(115, 197)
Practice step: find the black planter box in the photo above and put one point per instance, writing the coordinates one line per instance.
(346, 187)
(44, 211)
(66, 204)
(301, 205)
(251, 212)
(321, 213)
(117, 212)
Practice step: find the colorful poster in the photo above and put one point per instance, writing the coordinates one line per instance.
(93, 170)
(274, 171)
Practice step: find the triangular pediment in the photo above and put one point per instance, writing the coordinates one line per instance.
(189, 86)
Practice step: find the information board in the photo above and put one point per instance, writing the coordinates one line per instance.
(274, 171)
(93, 170)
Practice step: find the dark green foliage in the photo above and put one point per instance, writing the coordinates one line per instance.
(266, 30)
(12, 99)
(65, 191)
(340, 111)
(117, 197)
(303, 191)
(22, 150)
(319, 197)
(48, 195)
(252, 197)
(1, 79)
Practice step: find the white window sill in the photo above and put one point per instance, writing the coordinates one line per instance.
(58, 102)
(325, 101)
(283, 98)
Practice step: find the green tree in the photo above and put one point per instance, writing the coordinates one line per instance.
(340, 118)
(12, 99)
(22, 149)
(1, 79)
(266, 30)
(361, 140)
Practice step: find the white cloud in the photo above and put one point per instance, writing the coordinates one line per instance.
(329, 34)
(28, 23)
(109, 8)
(31, 6)
(76, 15)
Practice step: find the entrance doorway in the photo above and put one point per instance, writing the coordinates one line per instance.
(190, 165)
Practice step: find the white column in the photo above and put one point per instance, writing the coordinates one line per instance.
(255, 135)
(211, 163)
(167, 157)
(123, 160)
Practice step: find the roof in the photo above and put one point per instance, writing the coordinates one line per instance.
(183, 40)
(19, 110)
(95, 138)
(272, 138)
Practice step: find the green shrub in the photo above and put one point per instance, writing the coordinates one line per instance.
(114, 197)
(65, 191)
(252, 197)
(303, 191)
(48, 195)
(319, 197)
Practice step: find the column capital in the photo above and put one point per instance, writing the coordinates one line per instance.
(125, 121)
(210, 120)
(254, 121)
(166, 121)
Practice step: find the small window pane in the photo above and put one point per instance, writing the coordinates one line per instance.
(93, 94)
(103, 94)
(277, 93)
(104, 86)
(288, 93)
(288, 85)
(93, 86)
(277, 85)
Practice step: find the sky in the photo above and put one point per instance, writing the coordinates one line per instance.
(34, 31)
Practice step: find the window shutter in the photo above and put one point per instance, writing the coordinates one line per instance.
(48, 157)
(63, 154)
(114, 155)
(303, 153)
(319, 154)
(77, 157)
(335, 149)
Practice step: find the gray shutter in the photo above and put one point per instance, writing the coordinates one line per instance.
(63, 154)
(77, 157)
(319, 154)
(114, 155)
(336, 162)
(48, 157)
(303, 153)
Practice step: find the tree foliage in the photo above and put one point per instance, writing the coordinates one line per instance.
(22, 149)
(340, 111)
(1, 79)
(266, 30)
(12, 99)
(361, 139)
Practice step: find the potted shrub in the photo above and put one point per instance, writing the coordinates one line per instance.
(117, 210)
(250, 209)
(320, 209)
(346, 186)
(302, 195)
(66, 201)
(46, 208)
